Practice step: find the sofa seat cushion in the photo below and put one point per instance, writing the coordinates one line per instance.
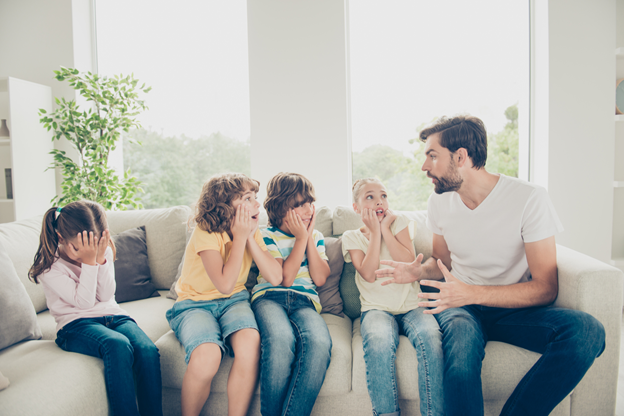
(45, 380)
(503, 368)
(337, 380)
(148, 313)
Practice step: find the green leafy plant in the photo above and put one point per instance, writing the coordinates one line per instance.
(95, 133)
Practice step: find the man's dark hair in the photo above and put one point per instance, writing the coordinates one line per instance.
(461, 131)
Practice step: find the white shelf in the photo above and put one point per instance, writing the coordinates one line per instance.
(619, 53)
(619, 117)
(618, 184)
(5, 200)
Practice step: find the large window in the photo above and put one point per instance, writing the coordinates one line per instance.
(194, 56)
(413, 61)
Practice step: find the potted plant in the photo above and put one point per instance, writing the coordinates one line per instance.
(95, 133)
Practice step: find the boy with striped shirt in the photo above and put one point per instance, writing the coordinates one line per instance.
(295, 341)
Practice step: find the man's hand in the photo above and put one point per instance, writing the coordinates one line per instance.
(453, 293)
(401, 272)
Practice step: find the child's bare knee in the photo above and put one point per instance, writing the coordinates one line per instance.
(205, 360)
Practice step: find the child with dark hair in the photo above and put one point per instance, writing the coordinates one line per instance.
(296, 345)
(212, 314)
(74, 263)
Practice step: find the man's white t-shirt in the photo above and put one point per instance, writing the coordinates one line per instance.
(487, 243)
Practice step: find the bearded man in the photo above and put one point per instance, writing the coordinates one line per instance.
(496, 235)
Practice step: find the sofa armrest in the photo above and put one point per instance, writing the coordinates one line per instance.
(591, 286)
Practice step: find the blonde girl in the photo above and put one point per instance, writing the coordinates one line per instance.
(212, 315)
(74, 263)
(392, 310)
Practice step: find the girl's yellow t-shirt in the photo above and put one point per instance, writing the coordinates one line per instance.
(194, 282)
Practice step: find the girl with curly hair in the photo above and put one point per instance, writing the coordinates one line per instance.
(212, 315)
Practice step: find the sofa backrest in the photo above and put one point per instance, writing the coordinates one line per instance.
(165, 231)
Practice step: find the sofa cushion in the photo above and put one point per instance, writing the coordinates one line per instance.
(19, 321)
(132, 272)
(349, 292)
(149, 314)
(21, 241)
(165, 234)
(329, 293)
(337, 380)
(65, 383)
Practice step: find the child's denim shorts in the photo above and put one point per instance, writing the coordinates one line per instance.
(198, 322)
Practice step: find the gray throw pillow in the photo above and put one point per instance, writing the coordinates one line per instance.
(132, 272)
(350, 292)
(19, 320)
(329, 293)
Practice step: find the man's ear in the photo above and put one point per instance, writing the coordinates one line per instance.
(462, 156)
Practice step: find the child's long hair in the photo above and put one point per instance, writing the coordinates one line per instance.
(214, 212)
(67, 221)
(282, 192)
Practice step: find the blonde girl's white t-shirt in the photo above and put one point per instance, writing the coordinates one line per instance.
(394, 298)
(487, 243)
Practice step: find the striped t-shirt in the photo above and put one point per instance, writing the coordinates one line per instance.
(280, 244)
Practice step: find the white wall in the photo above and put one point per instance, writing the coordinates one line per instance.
(299, 94)
(577, 125)
(39, 36)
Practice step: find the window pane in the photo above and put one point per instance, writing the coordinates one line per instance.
(413, 61)
(194, 55)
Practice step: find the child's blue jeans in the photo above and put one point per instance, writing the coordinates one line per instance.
(126, 351)
(296, 350)
(380, 334)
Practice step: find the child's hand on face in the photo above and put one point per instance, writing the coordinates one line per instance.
(101, 247)
(84, 248)
(370, 220)
(312, 222)
(388, 218)
(295, 225)
(242, 225)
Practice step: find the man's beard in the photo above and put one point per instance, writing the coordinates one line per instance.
(450, 182)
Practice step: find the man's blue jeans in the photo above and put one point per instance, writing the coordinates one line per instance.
(296, 350)
(125, 349)
(568, 340)
(380, 333)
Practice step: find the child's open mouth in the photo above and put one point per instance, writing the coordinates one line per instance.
(380, 211)
(255, 217)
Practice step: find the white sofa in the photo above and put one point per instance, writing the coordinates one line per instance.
(48, 381)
